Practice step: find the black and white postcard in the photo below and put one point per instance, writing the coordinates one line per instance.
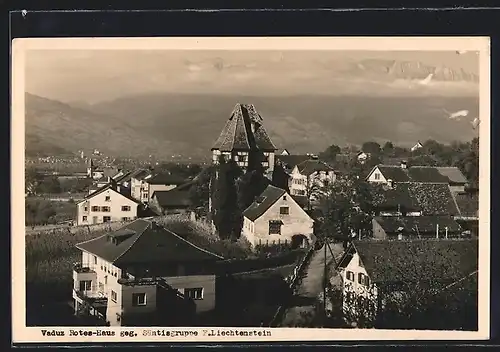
(250, 189)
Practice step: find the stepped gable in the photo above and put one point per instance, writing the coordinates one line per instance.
(238, 134)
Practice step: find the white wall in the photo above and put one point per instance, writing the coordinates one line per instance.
(115, 203)
(297, 222)
(376, 179)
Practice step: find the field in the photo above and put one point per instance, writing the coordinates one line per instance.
(41, 211)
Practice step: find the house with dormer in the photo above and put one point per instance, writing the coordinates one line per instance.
(275, 217)
(144, 275)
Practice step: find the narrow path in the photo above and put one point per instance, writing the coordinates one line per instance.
(311, 286)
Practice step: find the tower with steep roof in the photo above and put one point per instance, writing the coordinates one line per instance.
(244, 140)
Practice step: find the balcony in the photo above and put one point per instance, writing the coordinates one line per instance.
(80, 268)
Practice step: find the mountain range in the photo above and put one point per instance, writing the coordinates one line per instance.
(373, 99)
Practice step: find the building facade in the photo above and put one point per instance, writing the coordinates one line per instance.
(106, 205)
(276, 218)
(143, 273)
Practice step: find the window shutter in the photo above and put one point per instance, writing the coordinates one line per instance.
(360, 278)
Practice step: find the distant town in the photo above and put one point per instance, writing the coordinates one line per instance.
(369, 236)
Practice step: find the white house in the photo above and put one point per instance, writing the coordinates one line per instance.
(143, 274)
(139, 188)
(105, 205)
(308, 177)
(362, 157)
(275, 217)
(389, 174)
(417, 146)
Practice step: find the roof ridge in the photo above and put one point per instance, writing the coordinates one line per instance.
(132, 244)
(244, 125)
(192, 244)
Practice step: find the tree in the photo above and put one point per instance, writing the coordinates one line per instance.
(50, 185)
(346, 208)
(200, 191)
(371, 147)
(32, 180)
(388, 148)
(281, 178)
(330, 153)
(225, 212)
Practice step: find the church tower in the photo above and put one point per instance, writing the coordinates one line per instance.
(244, 140)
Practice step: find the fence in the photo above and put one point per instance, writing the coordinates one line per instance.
(109, 226)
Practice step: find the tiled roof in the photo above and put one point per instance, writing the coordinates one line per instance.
(434, 199)
(424, 174)
(417, 224)
(166, 178)
(140, 174)
(409, 261)
(391, 198)
(144, 243)
(310, 166)
(468, 204)
(397, 174)
(263, 202)
(429, 198)
(237, 133)
(453, 173)
(290, 161)
(109, 186)
(173, 199)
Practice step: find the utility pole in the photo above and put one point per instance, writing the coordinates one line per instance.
(324, 283)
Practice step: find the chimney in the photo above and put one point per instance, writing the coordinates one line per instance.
(404, 164)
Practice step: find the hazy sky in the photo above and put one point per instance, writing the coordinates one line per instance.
(96, 75)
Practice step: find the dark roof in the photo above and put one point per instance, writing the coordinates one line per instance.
(109, 186)
(434, 199)
(143, 242)
(391, 198)
(237, 133)
(423, 174)
(468, 204)
(110, 171)
(289, 161)
(310, 166)
(418, 260)
(173, 198)
(429, 198)
(126, 177)
(166, 178)
(417, 224)
(263, 202)
(140, 174)
(301, 200)
(453, 173)
(395, 173)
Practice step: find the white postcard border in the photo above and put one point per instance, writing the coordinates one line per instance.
(23, 334)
